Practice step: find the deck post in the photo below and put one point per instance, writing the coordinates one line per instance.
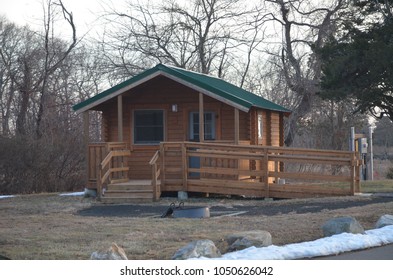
(266, 172)
(184, 166)
(162, 165)
(353, 174)
(201, 119)
(120, 118)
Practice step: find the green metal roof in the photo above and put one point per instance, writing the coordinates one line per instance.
(214, 87)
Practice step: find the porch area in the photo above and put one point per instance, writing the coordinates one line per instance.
(221, 168)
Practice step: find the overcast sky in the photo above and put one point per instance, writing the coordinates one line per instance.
(31, 11)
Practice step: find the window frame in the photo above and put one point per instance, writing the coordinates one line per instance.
(134, 127)
(213, 125)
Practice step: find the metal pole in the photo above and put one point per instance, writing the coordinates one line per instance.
(370, 131)
(352, 140)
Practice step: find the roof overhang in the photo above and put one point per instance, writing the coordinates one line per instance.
(103, 97)
(81, 107)
(215, 88)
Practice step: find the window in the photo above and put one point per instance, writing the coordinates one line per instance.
(209, 128)
(148, 126)
(260, 126)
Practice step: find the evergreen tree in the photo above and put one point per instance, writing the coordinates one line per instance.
(358, 66)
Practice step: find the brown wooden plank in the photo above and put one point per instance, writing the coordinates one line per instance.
(310, 176)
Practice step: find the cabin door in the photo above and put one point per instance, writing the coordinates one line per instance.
(209, 131)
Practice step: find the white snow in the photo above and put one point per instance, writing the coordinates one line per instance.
(332, 245)
(6, 196)
(73, 194)
(62, 194)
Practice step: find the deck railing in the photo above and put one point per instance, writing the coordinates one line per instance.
(257, 171)
(107, 163)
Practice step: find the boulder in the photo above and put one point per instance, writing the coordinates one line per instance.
(196, 249)
(112, 253)
(243, 240)
(385, 220)
(340, 225)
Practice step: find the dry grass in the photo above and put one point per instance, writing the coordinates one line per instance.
(47, 226)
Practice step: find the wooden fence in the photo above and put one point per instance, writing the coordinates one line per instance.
(254, 171)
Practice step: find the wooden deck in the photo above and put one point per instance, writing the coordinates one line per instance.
(256, 171)
(244, 170)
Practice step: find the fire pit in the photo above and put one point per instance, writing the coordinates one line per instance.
(182, 212)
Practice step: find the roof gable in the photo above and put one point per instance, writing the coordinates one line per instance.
(209, 85)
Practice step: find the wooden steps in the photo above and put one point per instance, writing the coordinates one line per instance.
(135, 191)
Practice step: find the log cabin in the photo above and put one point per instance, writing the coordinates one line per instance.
(153, 141)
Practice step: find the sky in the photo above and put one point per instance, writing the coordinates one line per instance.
(30, 12)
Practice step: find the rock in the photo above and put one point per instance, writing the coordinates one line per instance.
(4, 258)
(112, 253)
(196, 249)
(243, 240)
(340, 225)
(385, 220)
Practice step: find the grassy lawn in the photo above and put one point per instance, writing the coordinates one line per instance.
(377, 186)
(48, 226)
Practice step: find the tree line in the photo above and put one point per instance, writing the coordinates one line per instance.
(279, 49)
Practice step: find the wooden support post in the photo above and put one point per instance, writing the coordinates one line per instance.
(86, 140)
(120, 118)
(237, 128)
(236, 136)
(201, 119)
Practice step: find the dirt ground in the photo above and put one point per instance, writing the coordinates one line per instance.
(49, 226)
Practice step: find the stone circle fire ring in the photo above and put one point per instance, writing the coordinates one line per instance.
(180, 211)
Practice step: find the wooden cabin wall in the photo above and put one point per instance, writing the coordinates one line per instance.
(273, 128)
(161, 94)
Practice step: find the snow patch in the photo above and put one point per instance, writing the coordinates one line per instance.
(73, 194)
(6, 196)
(332, 245)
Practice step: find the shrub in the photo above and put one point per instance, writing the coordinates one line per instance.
(30, 165)
(389, 174)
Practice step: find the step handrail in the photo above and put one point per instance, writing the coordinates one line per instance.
(107, 164)
(156, 172)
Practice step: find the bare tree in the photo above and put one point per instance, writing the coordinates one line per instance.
(29, 60)
(305, 25)
(40, 143)
(54, 53)
(201, 35)
(9, 41)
